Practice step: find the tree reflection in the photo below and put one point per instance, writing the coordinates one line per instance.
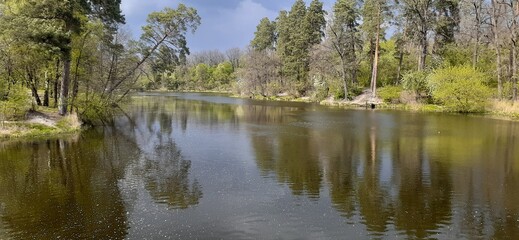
(289, 154)
(390, 177)
(167, 178)
(161, 164)
(63, 189)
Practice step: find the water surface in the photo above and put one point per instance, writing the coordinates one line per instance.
(199, 166)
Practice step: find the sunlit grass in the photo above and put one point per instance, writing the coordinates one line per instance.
(505, 108)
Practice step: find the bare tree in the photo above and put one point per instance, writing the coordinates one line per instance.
(233, 56)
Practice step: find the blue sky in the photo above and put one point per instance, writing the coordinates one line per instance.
(225, 23)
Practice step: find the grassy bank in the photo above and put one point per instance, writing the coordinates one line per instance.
(39, 124)
(495, 109)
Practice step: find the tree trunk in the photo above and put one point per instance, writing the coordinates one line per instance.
(475, 56)
(344, 78)
(31, 83)
(47, 90)
(515, 9)
(399, 69)
(495, 30)
(56, 83)
(353, 58)
(477, 26)
(63, 100)
(514, 72)
(375, 62)
(423, 49)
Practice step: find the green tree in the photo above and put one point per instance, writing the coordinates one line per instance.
(295, 66)
(167, 30)
(345, 40)
(424, 17)
(223, 73)
(298, 31)
(315, 22)
(54, 22)
(264, 37)
(374, 15)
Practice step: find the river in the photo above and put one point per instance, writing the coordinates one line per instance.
(206, 166)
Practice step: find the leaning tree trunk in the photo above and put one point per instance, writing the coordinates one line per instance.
(31, 83)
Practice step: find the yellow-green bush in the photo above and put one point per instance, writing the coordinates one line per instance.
(390, 94)
(460, 89)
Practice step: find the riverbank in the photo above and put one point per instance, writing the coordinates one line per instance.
(507, 110)
(41, 123)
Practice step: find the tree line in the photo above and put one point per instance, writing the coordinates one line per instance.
(460, 54)
(440, 51)
(75, 56)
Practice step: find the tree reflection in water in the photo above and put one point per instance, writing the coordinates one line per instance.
(63, 189)
(167, 178)
(398, 172)
(161, 164)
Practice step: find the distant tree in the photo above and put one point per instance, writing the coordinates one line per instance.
(260, 74)
(211, 58)
(234, 55)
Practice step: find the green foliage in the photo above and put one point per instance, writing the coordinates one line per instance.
(298, 31)
(3, 89)
(321, 88)
(460, 89)
(315, 22)
(265, 36)
(336, 89)
(388, 64)
(456, 56)
(223, 73)
(415, 81)
(17, 104)
(390, 94)
(345, 40)
(94, 110)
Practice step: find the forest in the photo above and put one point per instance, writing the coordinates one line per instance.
(75, 56)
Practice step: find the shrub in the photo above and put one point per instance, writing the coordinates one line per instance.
(320, 88)
(415, 81)
(460, 89)
(17, 104)
(390, 94)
